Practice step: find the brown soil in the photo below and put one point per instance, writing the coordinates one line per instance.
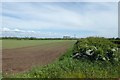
(22, 59)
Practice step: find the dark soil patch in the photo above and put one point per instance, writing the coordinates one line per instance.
(22, 59)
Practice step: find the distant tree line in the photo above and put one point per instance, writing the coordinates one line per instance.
(34, 38)
(114, 38)
(116, 41)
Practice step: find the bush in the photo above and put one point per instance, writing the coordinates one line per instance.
(95, 48)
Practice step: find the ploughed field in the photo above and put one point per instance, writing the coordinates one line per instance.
(22, 55)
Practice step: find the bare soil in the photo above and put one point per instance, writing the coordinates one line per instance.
(22, 59)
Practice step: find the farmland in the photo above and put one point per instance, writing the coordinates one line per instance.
(51, 59)
(20, 55)
(10, 44)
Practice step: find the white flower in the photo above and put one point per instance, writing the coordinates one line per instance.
(117, 49)
(113, 49)
(104, 59)
(116, 59)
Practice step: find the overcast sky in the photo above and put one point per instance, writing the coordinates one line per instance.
(56, 19)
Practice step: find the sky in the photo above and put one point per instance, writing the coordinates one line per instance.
(59, 0)
(58, 19)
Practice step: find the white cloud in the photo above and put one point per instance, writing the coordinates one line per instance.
(22, 33)
(5, 29)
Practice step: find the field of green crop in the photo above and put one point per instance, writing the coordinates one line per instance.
(10, 44)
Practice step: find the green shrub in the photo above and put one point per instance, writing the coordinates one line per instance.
(95, 48)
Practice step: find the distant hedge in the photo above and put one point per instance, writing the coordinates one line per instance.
(116, 42)
(96, 48)
(35, 38)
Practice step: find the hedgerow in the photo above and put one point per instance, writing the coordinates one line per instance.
(95, 48)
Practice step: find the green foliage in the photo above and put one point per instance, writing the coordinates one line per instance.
(117, 42)
(0, 75)
(69, 68)
(95, 48)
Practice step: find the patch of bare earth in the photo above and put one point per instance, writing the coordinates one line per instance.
(22, 59)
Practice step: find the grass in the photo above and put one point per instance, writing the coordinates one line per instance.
(66, 67)
(0, 75)
(10, 44)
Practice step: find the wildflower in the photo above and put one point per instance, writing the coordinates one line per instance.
(113, 50)
(117, 49)
(104, 58)
(116, 59)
